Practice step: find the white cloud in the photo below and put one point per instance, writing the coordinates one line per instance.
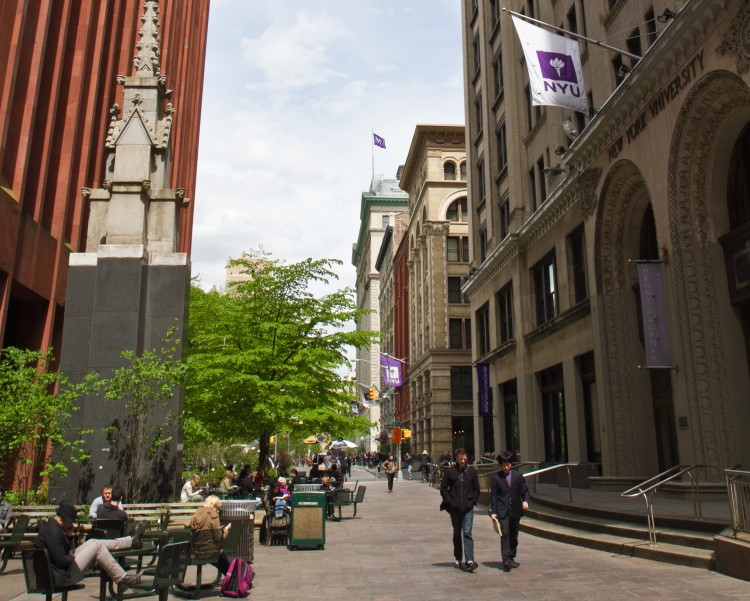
(292, 93)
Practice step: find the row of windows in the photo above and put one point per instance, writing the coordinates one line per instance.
(545, 294)
(449, 170)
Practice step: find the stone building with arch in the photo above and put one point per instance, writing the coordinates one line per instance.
(658, 171)
(439, 318)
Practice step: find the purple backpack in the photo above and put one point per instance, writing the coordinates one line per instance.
(238, 580)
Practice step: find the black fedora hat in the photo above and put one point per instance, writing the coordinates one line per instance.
(67, 512)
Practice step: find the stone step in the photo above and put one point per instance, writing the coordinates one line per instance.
(621, 528)
(620, 545)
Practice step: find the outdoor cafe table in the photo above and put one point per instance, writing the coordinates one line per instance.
(120, 555)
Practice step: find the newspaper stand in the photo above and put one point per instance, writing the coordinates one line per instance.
(308, 519)
(241, 514)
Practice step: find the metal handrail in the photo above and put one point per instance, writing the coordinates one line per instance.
(649, 487)
(551, 468)
(738, 492)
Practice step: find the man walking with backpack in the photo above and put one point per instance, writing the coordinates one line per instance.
(460, 492)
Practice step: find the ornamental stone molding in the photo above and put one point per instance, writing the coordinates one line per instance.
(715, 99)
(737, 39)
(587, 183)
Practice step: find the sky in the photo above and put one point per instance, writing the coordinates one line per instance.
(293, 91)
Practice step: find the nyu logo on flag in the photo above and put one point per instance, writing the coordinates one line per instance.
(554, 64)
(391, 371)
(378, 141)
(557, 66)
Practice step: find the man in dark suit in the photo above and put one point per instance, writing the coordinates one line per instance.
(510, 496)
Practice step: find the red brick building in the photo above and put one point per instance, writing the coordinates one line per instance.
(58, 67)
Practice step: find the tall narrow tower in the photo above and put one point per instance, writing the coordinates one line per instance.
(131, 285)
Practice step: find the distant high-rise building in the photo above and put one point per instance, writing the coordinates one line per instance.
(609, 291)
(379, 206)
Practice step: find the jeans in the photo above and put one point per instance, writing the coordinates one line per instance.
(390, 480)
(462, 522)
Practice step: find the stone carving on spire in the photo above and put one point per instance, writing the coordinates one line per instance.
(146, 62)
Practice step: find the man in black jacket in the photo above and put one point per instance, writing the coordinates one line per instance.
(460, 492)
(510, 496)
(67, 566)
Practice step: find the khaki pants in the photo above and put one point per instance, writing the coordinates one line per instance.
(98, 550)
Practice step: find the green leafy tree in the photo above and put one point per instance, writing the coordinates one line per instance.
(262, 355)
(36, 407)
(140, 441)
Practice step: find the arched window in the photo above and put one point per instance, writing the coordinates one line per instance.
(457, 211)
(449, 170)
(463, 171)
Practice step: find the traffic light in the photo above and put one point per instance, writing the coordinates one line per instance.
(372, 393)
(272, 440)
(406, 433)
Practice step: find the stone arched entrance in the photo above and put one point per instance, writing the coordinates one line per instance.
(714, 353)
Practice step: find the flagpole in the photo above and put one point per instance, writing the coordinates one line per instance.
(372, 152)
(575, 35)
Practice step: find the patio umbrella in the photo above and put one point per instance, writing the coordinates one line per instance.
(310, 440)
(342, 444)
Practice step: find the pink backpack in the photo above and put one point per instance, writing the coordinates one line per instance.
(238, 580)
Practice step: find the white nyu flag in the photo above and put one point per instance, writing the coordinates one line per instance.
(554, 64)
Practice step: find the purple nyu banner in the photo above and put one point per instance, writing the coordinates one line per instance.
(655, 330)
(391, 371)
(484, 391)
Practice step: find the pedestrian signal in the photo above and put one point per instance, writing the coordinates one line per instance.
(372, 393)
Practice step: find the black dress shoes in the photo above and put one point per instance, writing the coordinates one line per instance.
(514, 564)
(507, 567)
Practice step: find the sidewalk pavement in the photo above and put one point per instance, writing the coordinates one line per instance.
(399, 548)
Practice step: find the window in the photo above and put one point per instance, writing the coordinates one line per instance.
(611, 4)
(504, 218)
(505, 313)
(532, 188)
(633, 45)
(617, 66)
(483, 329)
(582, 12)
(576, 244)
(463, 171)
(495, 12)
(454, 290)
(458, 249)
(572, 20)
(502, 148)
(459, 333)
(477, 60)
(530, 8)
(449, 170)
(461, 388)
(497, 68)
(545, 289)
(457, 211)
(480, 181)
(529, 118)
(542, 180)
(386, 221)
(650, 26)
(478, 113)
(483, 243)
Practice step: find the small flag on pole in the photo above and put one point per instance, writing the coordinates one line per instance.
(378, 141)
(554, 64)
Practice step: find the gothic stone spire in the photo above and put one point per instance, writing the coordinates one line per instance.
(146, 62)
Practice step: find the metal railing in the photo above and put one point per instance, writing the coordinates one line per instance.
(649, 487)
(552, 468)
(738, 492)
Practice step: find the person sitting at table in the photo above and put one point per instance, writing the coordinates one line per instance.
(295, 477)
(245, 482)
(189, 491)
(327, 482)
(105, 496)
(6, 511)
(112, 509)
(227, 486)
(281, 499)
(207, 518)
(68, 567)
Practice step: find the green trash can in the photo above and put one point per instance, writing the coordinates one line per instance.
(308, 528)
